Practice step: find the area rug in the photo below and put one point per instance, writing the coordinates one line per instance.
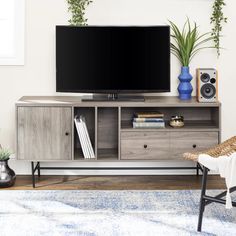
(110, 213)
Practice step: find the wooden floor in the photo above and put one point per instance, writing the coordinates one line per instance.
(117, 182)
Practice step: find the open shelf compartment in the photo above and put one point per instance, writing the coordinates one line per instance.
(107, 133)
(89, 114)
(195, 118)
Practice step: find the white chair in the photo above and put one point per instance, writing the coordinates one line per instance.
(224, 149)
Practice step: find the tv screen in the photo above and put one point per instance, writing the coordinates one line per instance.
(112, 59)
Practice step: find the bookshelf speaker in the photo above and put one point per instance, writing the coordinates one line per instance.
(207, 85)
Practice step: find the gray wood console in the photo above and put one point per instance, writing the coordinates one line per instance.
(46, 132)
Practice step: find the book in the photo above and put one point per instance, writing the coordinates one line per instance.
(87, 138)
(81, 134)
(152, 114)
(148, 119)
(84, 140)
(149, 124)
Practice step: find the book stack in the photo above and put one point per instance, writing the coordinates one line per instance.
(148, 120)
(84, 138)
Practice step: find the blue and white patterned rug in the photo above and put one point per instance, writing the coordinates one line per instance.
(110, 213)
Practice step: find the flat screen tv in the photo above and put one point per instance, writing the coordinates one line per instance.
(113, 59)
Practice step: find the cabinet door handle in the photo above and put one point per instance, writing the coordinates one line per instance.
(145, 146)
(67, 133)
(194, 145)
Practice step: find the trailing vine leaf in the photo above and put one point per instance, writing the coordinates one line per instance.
(217, 19)
(77, 8)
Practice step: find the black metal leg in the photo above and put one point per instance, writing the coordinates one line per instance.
(39, 174)
(202, 200)
(33, 177)
(197, 170)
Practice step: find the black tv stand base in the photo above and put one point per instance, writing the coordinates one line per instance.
(38, 168)
(114, 97)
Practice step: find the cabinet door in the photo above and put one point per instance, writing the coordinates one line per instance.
(44, 133)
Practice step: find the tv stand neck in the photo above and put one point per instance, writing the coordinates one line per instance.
(114, 97)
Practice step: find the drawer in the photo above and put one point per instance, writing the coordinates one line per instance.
(145, 145)
(181, 142)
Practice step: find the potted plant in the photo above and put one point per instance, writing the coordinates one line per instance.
(186, 44)
(7, 175)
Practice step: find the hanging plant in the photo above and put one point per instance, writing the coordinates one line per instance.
(77, 8)
(217, 19)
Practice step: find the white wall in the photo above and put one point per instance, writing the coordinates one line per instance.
(37, 76)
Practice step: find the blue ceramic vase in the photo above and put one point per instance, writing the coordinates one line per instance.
(185, 88)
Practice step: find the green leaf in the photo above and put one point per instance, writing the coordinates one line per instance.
(217, 19)
(4, 154)
(186, 42)
(77, 8)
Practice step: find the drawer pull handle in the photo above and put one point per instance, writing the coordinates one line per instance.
(67, 133)
(194, 145)
(145, 146)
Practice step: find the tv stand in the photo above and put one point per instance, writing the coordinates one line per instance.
(114, 97)
(46, 133)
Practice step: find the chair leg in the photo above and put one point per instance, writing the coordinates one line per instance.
(197, 169)
(202, 200)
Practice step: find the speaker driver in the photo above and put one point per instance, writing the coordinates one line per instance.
(205, 77)
(208, 91)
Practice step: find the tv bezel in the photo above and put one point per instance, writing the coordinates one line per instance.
(116, 91)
